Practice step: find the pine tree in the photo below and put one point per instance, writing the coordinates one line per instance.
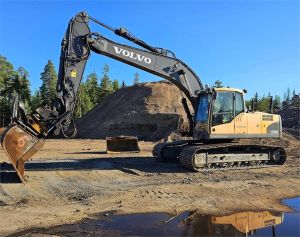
(105, 84)
(123, 84)
(136, 79)
(295, 101)
(276, 103)
(36, 100)
(7, 78)
(49, 80)
(115, 85)
(23, 84)
(255, 101)
(6, 69)
(288, 96)
(256, 97)
(7, 73)
(84, 103)
(12, 82)
(263, 104)
(93, 88)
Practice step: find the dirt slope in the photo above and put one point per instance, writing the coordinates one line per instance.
(151, 111)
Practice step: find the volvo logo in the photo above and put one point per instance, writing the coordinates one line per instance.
(129, 54)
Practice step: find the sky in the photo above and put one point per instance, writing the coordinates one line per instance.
(245, 44)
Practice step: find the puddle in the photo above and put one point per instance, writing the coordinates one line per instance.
(293, 203)
(262, 223)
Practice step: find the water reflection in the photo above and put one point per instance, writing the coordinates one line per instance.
(189, 224)
(237, 224)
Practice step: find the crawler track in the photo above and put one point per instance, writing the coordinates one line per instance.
(215, 156)
(159, 150)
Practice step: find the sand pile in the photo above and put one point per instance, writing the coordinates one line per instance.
(150, 111)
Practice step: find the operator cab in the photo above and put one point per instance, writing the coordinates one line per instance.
(217, 106)
(227, 104)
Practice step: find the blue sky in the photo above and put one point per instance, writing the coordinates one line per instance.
(245, 44)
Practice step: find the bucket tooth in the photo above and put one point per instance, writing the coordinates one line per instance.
(122, 144)
(20, 146)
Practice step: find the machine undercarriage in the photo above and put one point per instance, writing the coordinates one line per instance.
(199, 156)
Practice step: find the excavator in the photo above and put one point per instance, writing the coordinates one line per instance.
(218, 119)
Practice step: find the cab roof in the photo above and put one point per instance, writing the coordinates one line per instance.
(229, 89)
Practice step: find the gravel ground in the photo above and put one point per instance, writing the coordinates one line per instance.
(72, 179)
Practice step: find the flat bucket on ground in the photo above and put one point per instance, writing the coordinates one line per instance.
(20, 146)
(122, 144)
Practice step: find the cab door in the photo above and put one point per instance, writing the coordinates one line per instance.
(222, 120)
(241, 118)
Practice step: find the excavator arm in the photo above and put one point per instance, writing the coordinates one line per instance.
(26, 133)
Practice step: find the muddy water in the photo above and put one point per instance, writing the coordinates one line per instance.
(260, 223)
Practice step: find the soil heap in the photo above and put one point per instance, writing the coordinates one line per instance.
(150, 111)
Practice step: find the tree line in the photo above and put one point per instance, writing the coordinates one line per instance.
(12, 81)
(91, 92)
(16, 82)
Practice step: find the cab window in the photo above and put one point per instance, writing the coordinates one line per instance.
(239, 103)
(222, 108)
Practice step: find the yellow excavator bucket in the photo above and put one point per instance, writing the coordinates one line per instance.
(20, 146)
(122, 144)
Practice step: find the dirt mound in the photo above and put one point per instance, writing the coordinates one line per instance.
(150, 111)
